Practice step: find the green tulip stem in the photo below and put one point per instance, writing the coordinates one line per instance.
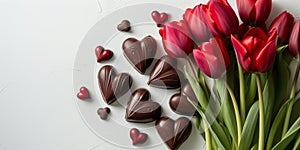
(194, 72)
(207, 137)
(292, 97)
(261, 138)
(236, 111)
(242, 93)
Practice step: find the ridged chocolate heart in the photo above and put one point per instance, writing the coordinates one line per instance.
(140, 109)
(174, 133)
(111, 85)
(180, 104)
(164, 74)
(140, 54)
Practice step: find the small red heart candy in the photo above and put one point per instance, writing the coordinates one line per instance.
(159, 18)
(83, 93)
(137, 137)
(103, 54)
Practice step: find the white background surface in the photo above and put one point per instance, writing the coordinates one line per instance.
(38, 43)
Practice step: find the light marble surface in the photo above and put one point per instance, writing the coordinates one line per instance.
(39, 41)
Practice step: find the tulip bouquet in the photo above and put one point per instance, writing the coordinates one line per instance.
(247, 74)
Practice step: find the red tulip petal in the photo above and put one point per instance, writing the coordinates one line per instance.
(208, 64)
(242, 54)
(272, 36)
(294, 42)
(263, 9)
(176, 40)
(161, 32)
(223, 54)
(266, 58)
(225, 18)
(283, 25)
(258, 33)
(210, 23)
(246, 10)
(196, 24)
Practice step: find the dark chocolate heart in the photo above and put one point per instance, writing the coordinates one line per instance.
(137, 137)
(179, 103)
(124, 26)
(174, 133)
(140, 54)
(164, 75)
(111, 85)
(103, 112)
(140, 109)
(103, 54)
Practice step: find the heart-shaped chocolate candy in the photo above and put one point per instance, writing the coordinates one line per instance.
(174, 133)
(83, 93)
(103, 54)
(159, 18)
(111, 85)
(140, 54)
(103, 112)
(124, 26)
(137, 137)
(164, 75)
(140, 109)
(180, 104)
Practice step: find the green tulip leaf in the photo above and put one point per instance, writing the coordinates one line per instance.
(227, 110)
(282, 48)
(249, 127)
(269, 100)
(216, 130)
(255, 147)
(295, 111)
(297, 143)
(200, 95)
(282, 72)
(289, 136)
(276, 123)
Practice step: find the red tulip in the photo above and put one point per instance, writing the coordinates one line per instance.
(254, 12)
(294, 43)
(196, 24)
(212, 57)
(256, 52)
(283, 25)
(176, 40)
(219, 17)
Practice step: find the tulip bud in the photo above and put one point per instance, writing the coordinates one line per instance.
(212, 57)
(254, 12)
(219, 17)
(294, 42)
(176, 39)
(196, 24)
(283, 25)
(256, 52)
